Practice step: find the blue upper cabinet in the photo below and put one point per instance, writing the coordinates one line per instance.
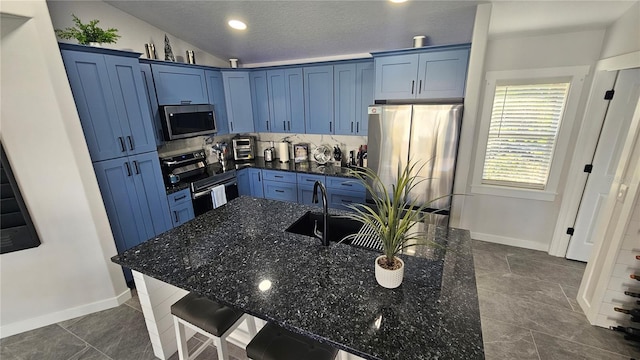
(294, 100)
(215, 89)
(318, 99)
(276, 101)
(364, 95)
(344, 92)
(147, 77)
(260, 101)
(442, 74)
(237, 93)
(112, 104)
(428, 74)
(396, 77)
(177, 85)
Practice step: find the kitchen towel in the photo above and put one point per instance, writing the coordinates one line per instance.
(218, 196)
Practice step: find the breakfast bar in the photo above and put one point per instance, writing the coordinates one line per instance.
(240, 255)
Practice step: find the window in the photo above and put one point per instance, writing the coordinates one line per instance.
(527, 117)
(525, 120)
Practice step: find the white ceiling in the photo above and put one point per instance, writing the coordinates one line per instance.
(286, 30)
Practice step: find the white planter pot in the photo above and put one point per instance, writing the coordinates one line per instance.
(389, 279)
(95, 44)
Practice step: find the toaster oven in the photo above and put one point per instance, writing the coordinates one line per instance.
(244, 148)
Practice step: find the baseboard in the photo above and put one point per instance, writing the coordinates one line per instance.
(527, 244)
(67, 314)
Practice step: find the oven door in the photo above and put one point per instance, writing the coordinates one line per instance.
(202, 200)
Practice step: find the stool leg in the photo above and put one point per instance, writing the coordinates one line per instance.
(221, 346)
(251, 324)
(183, 351)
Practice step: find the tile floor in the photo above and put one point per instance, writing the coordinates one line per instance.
(526, 303)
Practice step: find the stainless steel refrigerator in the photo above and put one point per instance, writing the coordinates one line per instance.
(423, 134)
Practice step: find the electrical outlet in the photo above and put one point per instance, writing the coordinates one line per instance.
(622, 192)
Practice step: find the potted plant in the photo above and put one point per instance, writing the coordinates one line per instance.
(88, 33)
(392, 220)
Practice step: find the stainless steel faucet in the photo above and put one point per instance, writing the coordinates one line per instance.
(325, 211)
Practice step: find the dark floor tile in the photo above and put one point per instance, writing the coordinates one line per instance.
(571, 292)
(90, 354)
(486, 261)
(237, 352)
(503, 341)
(120, 333)
(563, 275)
(209, 353)
(134, 302)
(65, 324)
(524, 288)
(553, 348)
(6, 354)
(49, 342)
(563, 323)
(536, 255)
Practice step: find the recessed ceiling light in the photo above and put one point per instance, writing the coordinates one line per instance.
(237, 24)
(398, 1)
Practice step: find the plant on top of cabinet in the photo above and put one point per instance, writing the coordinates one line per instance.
(88, 33)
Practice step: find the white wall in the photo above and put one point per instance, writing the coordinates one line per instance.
(514, 221)
(623, 36)
(70, 273)
(135, 32)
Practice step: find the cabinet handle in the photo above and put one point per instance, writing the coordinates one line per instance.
(179, 198)
(289, 123)
(280, 191)
(413, 83)
(357, 127)
(346, 201)
(135, 166)
(345, 184)
(284, 125)
(231, 123)
(126, 164)
(352, 126)
(185, 102)
(122, 148)
(175, 215)
(130, 142)
(420, 87)
(278, 176)
(267, 124)
(259, 177)
(330, 126)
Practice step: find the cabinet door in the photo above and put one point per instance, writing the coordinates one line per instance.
(237, 94)
(442, 74)
(177, 85)
(152, 196)
(294, 92)
(276, 190)
(277, 101)
(341, 199)
(131, 104)
(215, 89)
(255, 178)
(396, 77)
(364, 96)
(147, 78)
(260, 98)
(244, 185)
(305, 196)
(91, 88)
(344, 92)
(318, 99)
(115, 179)
(182, 213)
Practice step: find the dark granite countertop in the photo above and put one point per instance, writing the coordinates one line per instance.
(328, 293)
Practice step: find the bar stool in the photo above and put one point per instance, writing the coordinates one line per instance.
(276, 343)
(209, 318)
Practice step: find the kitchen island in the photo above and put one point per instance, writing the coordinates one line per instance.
(240, 255)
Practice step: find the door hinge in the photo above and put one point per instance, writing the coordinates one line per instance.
(588, 168)
(608, 95)
(570, 231)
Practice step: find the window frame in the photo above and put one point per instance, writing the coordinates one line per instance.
(575, 75)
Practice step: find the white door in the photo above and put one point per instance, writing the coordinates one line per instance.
(605, 162)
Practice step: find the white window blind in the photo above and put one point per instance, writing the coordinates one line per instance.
(525, 120)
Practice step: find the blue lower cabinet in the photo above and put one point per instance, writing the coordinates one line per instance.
(244, 185)
(255, 180)
(339, 199)
(305, 196)
(305, 188)
(180, 207)
(282, 176)
(283, 191)
(345, 184)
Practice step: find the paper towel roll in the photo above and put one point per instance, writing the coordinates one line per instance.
(283, 152)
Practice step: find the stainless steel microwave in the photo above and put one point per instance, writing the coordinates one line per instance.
(184, 121)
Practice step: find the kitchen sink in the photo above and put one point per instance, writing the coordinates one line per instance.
(337, 227)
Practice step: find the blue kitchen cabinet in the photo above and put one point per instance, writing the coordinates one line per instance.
(151, 192)
(215, 90)
(432, 74)
(180, 207)
(256, 183)
(365, 84)
(318, 99)
(343, 191)
(442, 74)
(260, 101)
(344, 92)
(277, 100)
(280, 185)
(244, 185)
(112, 105)
(305, 188)
(294, 100)
(147, 77)
(237, 94)
(176, 85)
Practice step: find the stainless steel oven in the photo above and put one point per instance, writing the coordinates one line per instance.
(201, 190)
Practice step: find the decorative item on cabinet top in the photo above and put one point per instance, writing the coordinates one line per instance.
(88, 33)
